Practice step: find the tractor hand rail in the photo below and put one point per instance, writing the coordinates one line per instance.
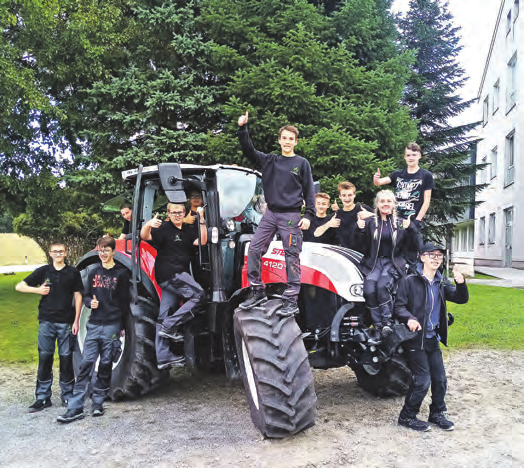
(135, 249)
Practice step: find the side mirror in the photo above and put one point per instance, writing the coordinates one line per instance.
(172, 182)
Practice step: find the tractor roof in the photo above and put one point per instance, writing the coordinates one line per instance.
(152, 170)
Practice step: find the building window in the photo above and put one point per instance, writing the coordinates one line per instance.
(485, 113)
(494, 162)
(482, 230)
(496, 96)
(508, 23)
(509, 159)
(515, 10)
(471, 237)
(512, 83)
(484, 172)
(464, 239)
(491, 231)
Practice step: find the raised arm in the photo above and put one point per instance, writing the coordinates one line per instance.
(248, 150)
(377, 180)
(145, 232)
(203, 227)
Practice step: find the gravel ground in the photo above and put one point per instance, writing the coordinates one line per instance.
(204, 422)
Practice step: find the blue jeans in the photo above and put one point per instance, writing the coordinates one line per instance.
(50, 333)
(99, 342)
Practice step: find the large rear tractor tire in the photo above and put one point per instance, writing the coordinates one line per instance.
(392, 378)
(275, 368)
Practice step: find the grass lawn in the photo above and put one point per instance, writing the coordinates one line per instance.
(482, 276)
(493, 318)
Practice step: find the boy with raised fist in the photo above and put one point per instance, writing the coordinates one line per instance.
(288, 183)
(60, 286)
(107, 295)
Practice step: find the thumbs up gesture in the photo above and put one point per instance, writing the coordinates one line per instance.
(457, 274)
(155, 222)
(376, 177)
(94, 303)
(334, 222)
(406, 222)
(335, 207)
(364, 214)
(242, 120)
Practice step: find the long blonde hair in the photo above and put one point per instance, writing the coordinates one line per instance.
(378, 196)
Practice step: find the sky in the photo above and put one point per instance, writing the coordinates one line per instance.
(477, 19)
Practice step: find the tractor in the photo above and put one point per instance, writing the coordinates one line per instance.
(274, 357)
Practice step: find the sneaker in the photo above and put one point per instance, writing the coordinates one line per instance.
(170, 335)
(288, 309)
(256, 297)
(441, 421)
(387, 330)
(98, 410)
(414, 423)
(40, 405)
(177, 361)
(71, 415)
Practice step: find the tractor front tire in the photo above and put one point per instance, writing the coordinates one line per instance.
(275, 369)
(393, 378)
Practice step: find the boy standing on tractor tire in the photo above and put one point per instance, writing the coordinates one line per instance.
(107, 295)
(288, 183)
(421, 304)
(174, 241)
(60, 286)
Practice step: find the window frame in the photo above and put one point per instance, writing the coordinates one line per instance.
(496, 96)
(482, 230)
(494, 162)
(509, 159)
(492, 228)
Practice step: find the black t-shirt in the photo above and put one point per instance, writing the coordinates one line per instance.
(409, 190)
(329, 237)
(386, 240)
(348, 224)
(127, 227)
(57, 306)
(174, 249)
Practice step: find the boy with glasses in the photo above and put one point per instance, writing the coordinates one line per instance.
(107, 295)
(421, 304)
(60, 286)
(174, 242)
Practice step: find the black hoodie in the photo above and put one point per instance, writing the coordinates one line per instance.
(111, 288)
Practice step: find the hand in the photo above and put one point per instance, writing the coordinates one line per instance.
(365, 214)
(335, 207)
(74, 328)
(94, 303)
(242, 120)
(189, 219)
(155, 222)
(457, 275)
(123, 333)
(334, 222)
(304, 224)
(361, 223)
(406, 222)
(44, 290)
(376, 177)
(413, 325)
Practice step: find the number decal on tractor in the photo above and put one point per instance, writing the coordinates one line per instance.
(278, 266)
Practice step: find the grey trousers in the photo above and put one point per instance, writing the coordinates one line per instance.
(99, 342)
(181, 287)
(48, 334)
(286, 224)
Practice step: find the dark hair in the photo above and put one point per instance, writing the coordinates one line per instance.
(414, 147)
(58, 243)
(346, 186)
(289, 128)
(126, 205)
(106, 242)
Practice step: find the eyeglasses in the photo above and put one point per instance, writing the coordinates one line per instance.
(105, 251)
(57, 252)
(176, 213)
(196, 196)
(435, 256)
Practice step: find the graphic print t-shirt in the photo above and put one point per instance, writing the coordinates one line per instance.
(409, 190)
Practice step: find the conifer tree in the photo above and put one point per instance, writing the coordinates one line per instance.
(433, 97)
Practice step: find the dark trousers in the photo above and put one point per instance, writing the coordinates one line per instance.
(378, 290)
(286, 224)
(181, 287)
(427, 367)
(100, 341)
(50, 333)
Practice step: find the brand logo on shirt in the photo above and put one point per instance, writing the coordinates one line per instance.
(295, 170)
(177, 238)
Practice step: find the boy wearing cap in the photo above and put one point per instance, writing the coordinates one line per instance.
(421, 305)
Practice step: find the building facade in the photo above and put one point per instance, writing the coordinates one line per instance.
(500, 218)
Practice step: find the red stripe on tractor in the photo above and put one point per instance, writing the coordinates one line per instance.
(308, 276)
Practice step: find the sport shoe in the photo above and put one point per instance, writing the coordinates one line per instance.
(64, 402)
(255, 298)
(98, 410)
(71, 415)
(39, 405)
(441, 421)
(178, 361)
(288, 309)
(387, 330)
(170, 335)
(414, 423)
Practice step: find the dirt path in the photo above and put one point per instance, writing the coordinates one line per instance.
(196, 422)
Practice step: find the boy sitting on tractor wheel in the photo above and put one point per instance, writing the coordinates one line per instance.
(287, 182)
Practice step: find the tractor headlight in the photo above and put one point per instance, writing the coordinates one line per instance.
(356, 289)
(230, 225)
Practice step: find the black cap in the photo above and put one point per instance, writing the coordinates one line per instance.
(430, 247)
